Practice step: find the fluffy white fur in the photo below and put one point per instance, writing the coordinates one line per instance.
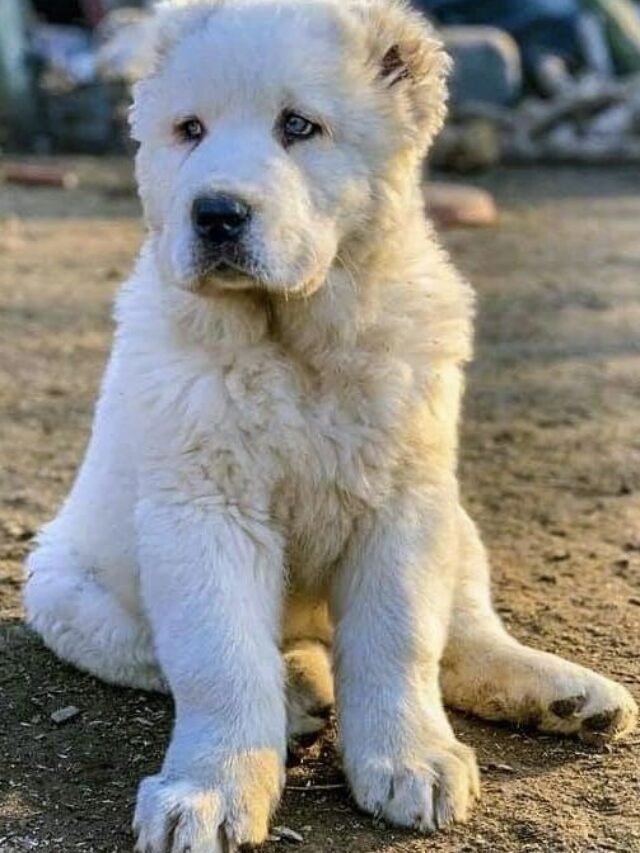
(272, 469)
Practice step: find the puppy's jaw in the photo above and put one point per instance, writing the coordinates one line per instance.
(218, 281)
(194, 270)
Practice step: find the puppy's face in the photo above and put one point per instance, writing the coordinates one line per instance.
(266, 129)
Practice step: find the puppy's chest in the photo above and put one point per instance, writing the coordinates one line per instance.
(340, 463)
(311, 450)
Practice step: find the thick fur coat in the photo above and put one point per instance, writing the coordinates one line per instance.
(268, 509)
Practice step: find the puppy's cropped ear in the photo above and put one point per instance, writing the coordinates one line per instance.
(408, 59)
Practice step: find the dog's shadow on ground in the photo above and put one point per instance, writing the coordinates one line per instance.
(76, 780)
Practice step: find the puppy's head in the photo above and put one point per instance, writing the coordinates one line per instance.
(267, 129)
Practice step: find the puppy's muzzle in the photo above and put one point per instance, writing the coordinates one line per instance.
(220, 221)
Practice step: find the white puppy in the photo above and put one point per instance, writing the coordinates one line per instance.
(272, 468)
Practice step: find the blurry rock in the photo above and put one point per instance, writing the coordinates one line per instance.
(457, 205)
(486, 65)
(471, 145)
(595, 45)
(552, 75)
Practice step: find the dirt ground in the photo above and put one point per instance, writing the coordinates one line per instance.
(551, 470)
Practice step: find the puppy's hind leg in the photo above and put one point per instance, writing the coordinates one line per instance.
(309, 688)
(487, 672)
(307, 658)
(84, 624)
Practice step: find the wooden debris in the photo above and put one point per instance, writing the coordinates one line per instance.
(40, 175)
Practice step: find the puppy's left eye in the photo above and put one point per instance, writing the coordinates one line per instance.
(189, 130)
(296, 127)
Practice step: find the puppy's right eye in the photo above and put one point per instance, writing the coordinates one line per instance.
(189, 130)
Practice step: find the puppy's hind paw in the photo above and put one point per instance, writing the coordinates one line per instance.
(598, 711)
(310, 695)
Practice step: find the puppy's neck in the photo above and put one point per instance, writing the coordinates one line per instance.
(349, 306)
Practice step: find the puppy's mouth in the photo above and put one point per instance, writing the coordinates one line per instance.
(231, 269)
(234, 270)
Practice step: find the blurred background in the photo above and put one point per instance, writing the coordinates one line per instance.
(535, 186)
(534, 79)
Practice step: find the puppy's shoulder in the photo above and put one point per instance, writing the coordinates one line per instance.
(430, 307)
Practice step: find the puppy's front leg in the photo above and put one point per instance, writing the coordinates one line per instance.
(211, 586)
(391, 607)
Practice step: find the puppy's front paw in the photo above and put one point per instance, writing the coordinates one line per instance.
(177, 815)
(430, 791)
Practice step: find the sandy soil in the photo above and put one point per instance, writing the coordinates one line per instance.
(551, 470)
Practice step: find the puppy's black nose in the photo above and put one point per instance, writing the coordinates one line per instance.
(219, 219)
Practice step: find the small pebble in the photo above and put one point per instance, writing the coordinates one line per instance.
(559, 556)
(286, 834)
(505, 768)
(63, 715)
